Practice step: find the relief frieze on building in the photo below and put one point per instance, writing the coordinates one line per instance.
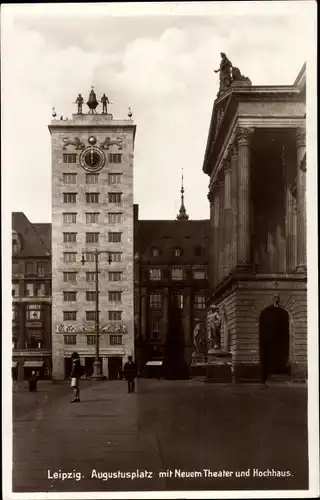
(75, 328)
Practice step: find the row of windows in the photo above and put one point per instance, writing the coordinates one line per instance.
(71, 276)
(92, 198)
(114, 296)
(72, 178)
(92, 237)
(33, 312)
(177, 252)
(91, 257)
(72, 158)
(39, 268)
(91, 315)
(176, 274)
(32, 289)
(91, 217)
(155, 301)
(91, 339)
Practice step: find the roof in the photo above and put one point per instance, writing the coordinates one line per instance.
(33, 244)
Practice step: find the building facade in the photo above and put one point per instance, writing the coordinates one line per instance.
(256, 161)
(92, 209)
(31, 298)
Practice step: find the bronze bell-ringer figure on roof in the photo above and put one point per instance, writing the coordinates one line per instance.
(92, 102)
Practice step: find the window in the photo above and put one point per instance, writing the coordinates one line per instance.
(69, 237)
(199, 274)
(70, 178)
(69, 296)
(69, 158)
(199, 302)
(115, 296)
(70, 339)
(155, 274)
(90, 296)
(40, 269)
(114, 178)
(92, 237)
(155, 252)
(115, 276)
(34, 338)
(114, 197)
(115, 157)
(114, 217)
(29, 291)
(69, 257)
(179, 300)
(15, 267)
(92, 178)
(115, 339)
(91, 339)
(69, 218)
(115, 315)
(177, 274)
(92, 218)
(155, 330)
(114, 237)
(69, 197)
(90, 257)
(92, 197)
(177, 252)
(40, 289)
(15, 290)
(198, 251)
(69, 315)
(34, 312)
(14, 312)
(155, 301)
(115, 256)
(90, 315)
(30, 268)
(70, 276)
(90, 276)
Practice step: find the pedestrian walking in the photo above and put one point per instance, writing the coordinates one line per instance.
(130, 372)
(76, 372)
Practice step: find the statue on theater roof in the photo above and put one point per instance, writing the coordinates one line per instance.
(225, 72)
(105, 101)
(79, 102)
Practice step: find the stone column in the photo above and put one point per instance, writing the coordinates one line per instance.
(301, 201)
(22, 337)
(165, 315)
(227, 226)
(187, 316)
(221, 270)
(216, 211)
(244, 197)
(211, 254)
(234, 204)
(291, 243)
(143, 318)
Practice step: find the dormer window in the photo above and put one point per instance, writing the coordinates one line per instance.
(155, 252)
(198, 251)
(177, 252)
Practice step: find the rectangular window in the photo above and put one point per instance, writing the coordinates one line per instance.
(177, 274)
(199, 274)
(90, 257)
(115, 276)
(199, 302)
(155, 274)
(92, 237)
(70, 178)
(114, 178)
(40, 289)
(69, 158)
(69, 257)
(115, 256)
(30, 268)
(40, 269)
(70, 339)
(90, 276)
(69, 197)
(155, 301)
(155, 330)
(92, 197)
(114, 217)
(114, 296)
(15, 290)
(70, 276)
(115, 157)
(29, 290)
(90, 296)
(92, 218)
(114, 197)
(69, 315)
(115, 339)
(179, 300)
(14, 312)
(69, 218)
(92, 178)
(114, 237)
(90, 315)
(34, 312)
(69, 237)
(69, 296)
(91, 339)
(115, 315)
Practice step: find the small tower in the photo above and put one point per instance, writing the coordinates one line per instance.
(182, 215)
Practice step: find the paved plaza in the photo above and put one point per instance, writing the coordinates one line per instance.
(225, 436)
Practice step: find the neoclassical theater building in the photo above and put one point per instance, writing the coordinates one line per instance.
(256, 160)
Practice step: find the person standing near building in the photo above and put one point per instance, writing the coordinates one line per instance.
(130, 372)
(76, 373)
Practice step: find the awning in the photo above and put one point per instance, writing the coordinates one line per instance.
(14, 364)
(154, 363)
(33, 364)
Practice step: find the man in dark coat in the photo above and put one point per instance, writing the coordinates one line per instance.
(130, 372)
(76, 373)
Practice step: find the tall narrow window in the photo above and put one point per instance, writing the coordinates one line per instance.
(155, 300)
(90, 296)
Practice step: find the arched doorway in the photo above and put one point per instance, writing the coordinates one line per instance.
(274, 339)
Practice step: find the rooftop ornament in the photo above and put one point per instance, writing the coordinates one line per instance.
(229, 75)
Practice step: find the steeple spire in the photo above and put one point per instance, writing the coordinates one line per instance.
(182, 215)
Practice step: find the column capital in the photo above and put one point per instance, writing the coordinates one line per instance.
(211, 196)
(226, 164)
(243, 135)
(233, 150)
(300, 137)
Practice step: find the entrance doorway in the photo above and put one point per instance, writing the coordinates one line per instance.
(274, 342)
(114, 367)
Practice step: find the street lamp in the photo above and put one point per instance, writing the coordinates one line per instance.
(97, 368)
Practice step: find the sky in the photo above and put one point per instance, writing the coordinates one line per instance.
(157, 59)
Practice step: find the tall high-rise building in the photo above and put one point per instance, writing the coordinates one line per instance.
(92, 214)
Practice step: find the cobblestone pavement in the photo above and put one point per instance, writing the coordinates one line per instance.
(175, 426)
